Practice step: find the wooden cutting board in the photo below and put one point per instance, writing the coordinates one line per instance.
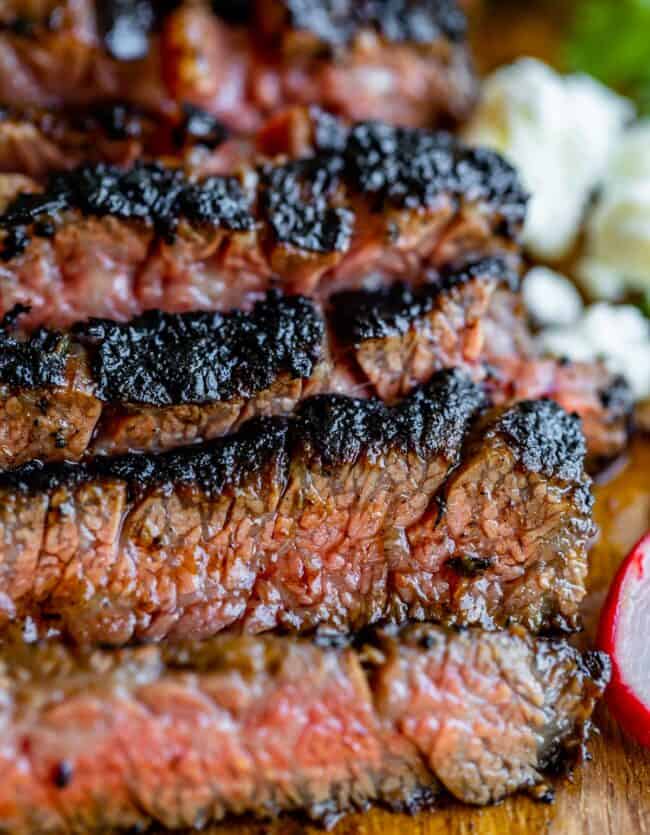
(609, 795)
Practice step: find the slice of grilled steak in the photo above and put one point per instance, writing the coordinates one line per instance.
(163, 381)
(398, 336)
(181, 737)
(347, 513)
(37, 142)
(603, 400)
(168, 380)
(101, 241)
(405, 61)
(157, 382)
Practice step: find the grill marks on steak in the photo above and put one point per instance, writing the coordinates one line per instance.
(100, 241)
(278, 725)
(348, 513)
(406, 62)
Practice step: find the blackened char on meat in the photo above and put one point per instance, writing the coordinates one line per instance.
(422, 714)
(104, 242)
(159, 381)
(345, 514)
(397, 336)
(241, 61)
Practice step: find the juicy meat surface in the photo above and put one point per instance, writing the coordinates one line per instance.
(181, 737)
(346, 514)
(406, 61)
(386, 203)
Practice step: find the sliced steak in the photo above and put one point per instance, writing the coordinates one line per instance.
(169, 380)
(181, 737)
(157, 382)
(101, 241)
(346, 514)
(406, 61)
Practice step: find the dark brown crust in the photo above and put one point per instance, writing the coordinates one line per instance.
(417, 714)
(390, 167)
(347, 514)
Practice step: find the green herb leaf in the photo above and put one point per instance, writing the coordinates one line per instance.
(610, 40)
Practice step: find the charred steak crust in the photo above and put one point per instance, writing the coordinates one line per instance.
(168, 359)
(362, 315)
(422, 714)
(410, 168)
(296, 201)
(546, 438)
(403, 168)
(432, 420)
(37, 362)
(335, 428)
(149, 192)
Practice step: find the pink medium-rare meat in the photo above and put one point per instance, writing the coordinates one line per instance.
(389, 203)
(406, 62)
(183, 737)
(347, 513)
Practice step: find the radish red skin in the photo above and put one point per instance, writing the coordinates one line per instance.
(630, 712)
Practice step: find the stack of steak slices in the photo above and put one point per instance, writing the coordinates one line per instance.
(269, 407)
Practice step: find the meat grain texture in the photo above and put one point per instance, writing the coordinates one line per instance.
(181, 737)
(345, 514)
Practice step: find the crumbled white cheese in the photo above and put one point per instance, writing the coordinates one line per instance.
(550, 298)
(617, 251)
(618, 334)
(559, 132)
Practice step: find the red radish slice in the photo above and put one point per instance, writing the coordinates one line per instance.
(625, 634)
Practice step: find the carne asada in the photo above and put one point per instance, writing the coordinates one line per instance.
(101, 241)
(183, 736)
(168, 380)
(404, 61)
(347, 513)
